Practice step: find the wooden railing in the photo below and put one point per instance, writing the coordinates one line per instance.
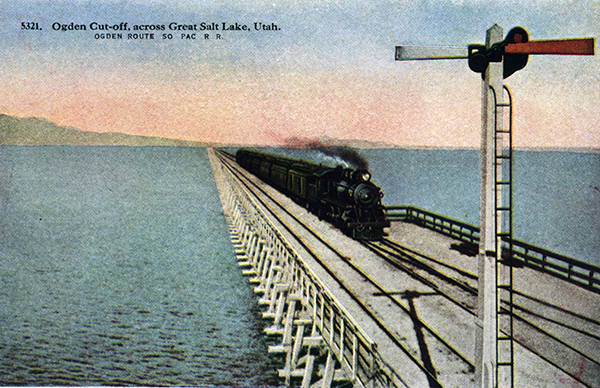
(572, 270)
(296, 297)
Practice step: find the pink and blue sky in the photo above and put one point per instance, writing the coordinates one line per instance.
(328, 71)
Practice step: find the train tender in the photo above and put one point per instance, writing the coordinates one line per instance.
(345, 197)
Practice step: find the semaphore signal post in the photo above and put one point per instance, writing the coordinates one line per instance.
(496, 60)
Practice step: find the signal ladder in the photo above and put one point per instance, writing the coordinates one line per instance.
(503, 204)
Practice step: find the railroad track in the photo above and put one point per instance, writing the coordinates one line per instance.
(537, 323)
(425, 348)
(458, 286)
(550, 331)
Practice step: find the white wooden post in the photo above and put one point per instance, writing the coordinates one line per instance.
(486, 320)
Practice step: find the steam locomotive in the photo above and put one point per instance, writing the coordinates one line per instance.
(345, 197)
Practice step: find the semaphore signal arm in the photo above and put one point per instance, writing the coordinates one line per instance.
(514, 51)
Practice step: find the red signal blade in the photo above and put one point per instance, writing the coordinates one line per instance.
(580, 46)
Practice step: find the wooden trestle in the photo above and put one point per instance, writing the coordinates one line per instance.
(320, 341)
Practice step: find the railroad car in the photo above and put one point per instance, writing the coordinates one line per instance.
(345, 197)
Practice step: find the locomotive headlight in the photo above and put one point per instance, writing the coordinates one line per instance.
(366, 176)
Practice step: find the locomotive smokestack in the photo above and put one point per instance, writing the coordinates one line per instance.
(346, 154)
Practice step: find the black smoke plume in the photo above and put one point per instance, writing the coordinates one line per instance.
(348, 155)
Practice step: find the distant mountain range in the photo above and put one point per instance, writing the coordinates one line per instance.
(37, 131)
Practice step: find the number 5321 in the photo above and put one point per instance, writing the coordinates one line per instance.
(30, 26)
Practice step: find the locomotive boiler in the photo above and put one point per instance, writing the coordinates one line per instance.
(345, 197)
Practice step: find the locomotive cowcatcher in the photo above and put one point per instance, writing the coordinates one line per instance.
(345, 197)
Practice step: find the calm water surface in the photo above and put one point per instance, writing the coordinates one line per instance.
(556, 194)
(116, 268)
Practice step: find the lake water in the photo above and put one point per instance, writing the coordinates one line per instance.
(556, 194)
(116, 266)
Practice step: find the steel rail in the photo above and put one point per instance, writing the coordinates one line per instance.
(247, 182)
(350, 292)
(574, 271)
(410, 256)
(410, 271)
(383, 291)
(470, 236)
(544, 332)
(554, 321)
(326, 294)
(474, 290)
(429, 258)
(561, 309)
